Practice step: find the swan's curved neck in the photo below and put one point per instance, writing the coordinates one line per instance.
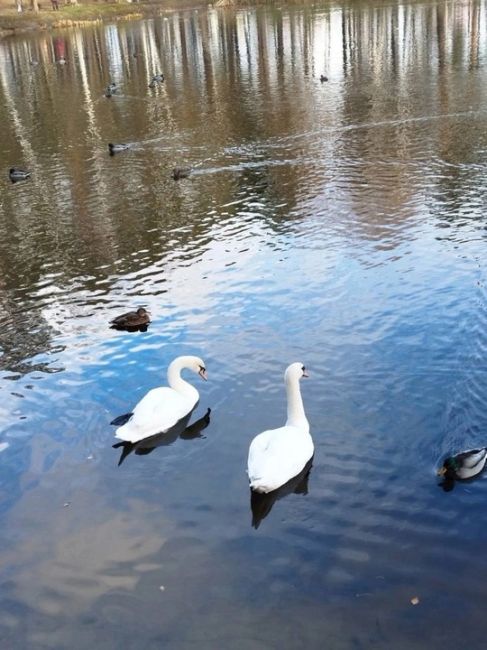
(175, 380)
(295, 409)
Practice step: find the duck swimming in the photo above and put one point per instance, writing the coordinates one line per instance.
(116, 148)
(16, 174)
(278, 455)
(323, 78)
(157, 78)
(181, 172)
(161, 408)
(465, 465)
(132, 318)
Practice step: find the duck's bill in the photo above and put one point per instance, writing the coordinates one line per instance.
(202, 374)
(441, 471)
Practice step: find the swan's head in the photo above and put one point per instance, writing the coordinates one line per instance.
(197, 365)
(295, 371)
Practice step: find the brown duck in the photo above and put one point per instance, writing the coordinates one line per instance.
(181, 172)
(132, 318)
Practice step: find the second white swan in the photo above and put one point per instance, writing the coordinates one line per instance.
(278, 455)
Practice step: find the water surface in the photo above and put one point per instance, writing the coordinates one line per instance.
(341, 224)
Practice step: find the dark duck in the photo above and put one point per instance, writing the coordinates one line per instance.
(181, 172)
(16, 174)
(117, 148)
(136, 319)
(157, 78)
(111, 89)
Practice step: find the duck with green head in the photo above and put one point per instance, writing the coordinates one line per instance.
(465, 465)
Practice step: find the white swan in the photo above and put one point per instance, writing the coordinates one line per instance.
(277, 455)
(161, 408)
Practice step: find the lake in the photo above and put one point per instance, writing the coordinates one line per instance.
(340, 224)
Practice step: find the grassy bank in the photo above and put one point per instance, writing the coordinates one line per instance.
(12, 22)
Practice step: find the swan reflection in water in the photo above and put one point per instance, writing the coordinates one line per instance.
(261, 504)
(179, 430)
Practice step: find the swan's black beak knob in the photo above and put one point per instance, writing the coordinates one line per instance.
(202, 373)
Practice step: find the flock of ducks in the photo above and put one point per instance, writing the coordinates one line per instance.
(16, 174)
(114, 148)
(276, 456)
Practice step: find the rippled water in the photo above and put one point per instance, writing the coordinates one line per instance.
(340, 224)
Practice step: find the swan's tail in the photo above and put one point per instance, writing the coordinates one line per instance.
(121, 419)
(259, 488)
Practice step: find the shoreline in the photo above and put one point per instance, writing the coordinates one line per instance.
(13, 23)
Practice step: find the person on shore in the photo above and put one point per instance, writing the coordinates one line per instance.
(55, 5)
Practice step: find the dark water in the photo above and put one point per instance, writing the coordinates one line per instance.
(339, 224)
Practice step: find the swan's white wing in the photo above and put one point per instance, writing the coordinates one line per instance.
(156, 412)
(276, 456)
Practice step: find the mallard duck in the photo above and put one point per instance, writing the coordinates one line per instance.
(465, 465)
(323, 78)
(278, 455)
(16, 174)
(161, 408)
(132, 318)
(181, 172)
(116, 148)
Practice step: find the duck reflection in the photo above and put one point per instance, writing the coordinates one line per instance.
(130, 328)
(448, 484)
(179, 430)
(261, 504)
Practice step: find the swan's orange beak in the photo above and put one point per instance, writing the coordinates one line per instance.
(202, 374)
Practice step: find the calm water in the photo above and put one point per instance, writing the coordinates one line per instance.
(339, 224)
